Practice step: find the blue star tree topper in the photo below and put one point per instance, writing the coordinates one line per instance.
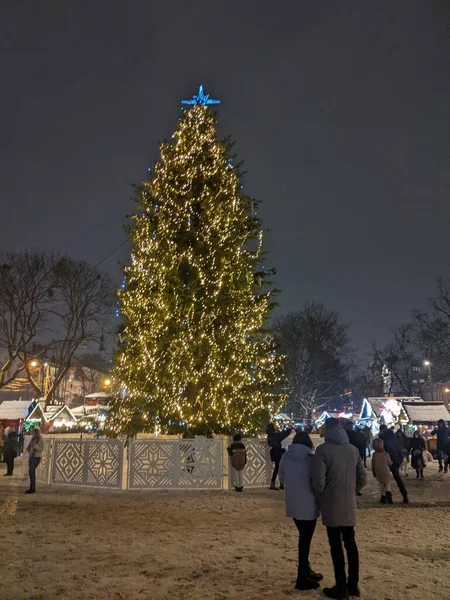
(201, 98)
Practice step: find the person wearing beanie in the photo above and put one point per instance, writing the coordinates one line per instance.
(338, 474)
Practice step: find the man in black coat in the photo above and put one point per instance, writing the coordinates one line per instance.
(357, 439)
(443, 443)
(392, 447)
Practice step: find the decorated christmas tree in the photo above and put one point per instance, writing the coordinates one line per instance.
(195, 353)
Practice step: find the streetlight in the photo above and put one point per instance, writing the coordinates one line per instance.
(34, 363)
(108, 383)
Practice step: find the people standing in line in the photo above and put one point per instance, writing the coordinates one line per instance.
(274, 439)
(238, 455)
(10, 452)
(392, 448)
(35, 450)
(381, 469)
(301, 504)
(443, 443)
(338, 474)
(417, 447)
(403, 442)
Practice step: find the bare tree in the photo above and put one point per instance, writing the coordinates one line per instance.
(81, 303)
(315, 343)
(53, 304)
(25, 288)
(433, 329)
(369, 382)
(400, 356)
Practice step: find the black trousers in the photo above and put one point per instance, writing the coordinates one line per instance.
(32, 466)
(337, 535)
(9, 460)
(275, 470)
(305, 535)
(398, 480)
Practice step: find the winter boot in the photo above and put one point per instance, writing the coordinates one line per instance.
(354, 592)
(389, 498)
(273, 487)
(310, 574)
(383, 500)
(417, 474)
(306, 584)
(405, 499)
(337, 593)
(281, 486)
(421, 473)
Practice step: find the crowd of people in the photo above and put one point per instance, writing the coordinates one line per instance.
(326, 482)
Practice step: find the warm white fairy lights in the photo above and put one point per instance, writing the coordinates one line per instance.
(196, 301)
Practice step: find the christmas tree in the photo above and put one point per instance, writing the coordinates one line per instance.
(195, 354)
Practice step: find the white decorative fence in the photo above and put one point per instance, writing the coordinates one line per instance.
(43, 471)
(94, 463)
(145, 464)
(175, 464)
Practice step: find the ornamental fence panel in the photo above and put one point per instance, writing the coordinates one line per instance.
(43, 471)
(175, 464)
(92, 463)
(258, 470)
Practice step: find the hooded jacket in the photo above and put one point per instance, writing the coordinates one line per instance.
(443, 437)
(295, 473)
(381, 466)
(338, 474)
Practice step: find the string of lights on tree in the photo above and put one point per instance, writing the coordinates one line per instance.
(194, 350)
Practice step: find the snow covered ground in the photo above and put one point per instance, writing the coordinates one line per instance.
(72, 543)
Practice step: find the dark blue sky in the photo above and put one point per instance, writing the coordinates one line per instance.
(340, 110)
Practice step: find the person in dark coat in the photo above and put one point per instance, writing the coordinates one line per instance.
(274, 439)
(368, 439)
(238, 455)
(301, 504)
(393, 449)
(357, 439)
(403, 442)
(443, 443)
(338, 474)
(10, 452)
(417, 446)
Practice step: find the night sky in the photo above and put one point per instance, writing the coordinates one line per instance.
(339, 108)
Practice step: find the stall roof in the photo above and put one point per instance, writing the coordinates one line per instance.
(15, 409)
(377, 402)
(99, 395)
(54, 412)
(426, 412)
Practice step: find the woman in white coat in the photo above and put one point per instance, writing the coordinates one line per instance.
(301, 504)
